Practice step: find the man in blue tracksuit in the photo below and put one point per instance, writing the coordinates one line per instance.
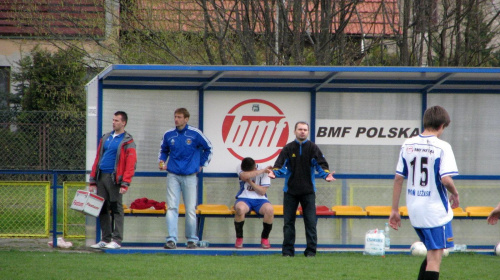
(188, 151)
(298, 162)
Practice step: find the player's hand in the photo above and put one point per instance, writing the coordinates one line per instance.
(493, 217)
(395, 220)
(330, 178)
(123, 189)
(92, 188)
(271, 174)
(161, 165)
(268, 169)
(454, 200)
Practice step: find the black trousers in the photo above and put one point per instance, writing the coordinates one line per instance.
(112, 209)
(290, 204)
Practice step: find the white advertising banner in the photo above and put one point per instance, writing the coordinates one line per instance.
(365, 132)
(251, 124)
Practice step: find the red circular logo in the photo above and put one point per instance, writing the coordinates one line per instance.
(255, 128)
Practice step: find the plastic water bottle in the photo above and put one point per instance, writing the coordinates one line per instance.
(387, 237)
(460, 248)
(203, 243)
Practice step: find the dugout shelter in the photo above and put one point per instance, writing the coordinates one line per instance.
(359, 116)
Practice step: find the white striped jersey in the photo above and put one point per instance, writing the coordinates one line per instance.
(246, 191)
(423, 161)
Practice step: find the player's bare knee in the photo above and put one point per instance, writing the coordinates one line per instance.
(267, 210)
(240, 210)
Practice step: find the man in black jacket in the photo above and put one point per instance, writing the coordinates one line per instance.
(298, 162)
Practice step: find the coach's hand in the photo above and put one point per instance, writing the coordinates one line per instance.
(330, 178)
(123, 189)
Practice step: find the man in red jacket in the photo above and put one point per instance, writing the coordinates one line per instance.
(111, 175)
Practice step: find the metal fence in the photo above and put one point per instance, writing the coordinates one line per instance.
(50, 146)
(24, 209)
(31, 145)
(73, 222)
(42, 140)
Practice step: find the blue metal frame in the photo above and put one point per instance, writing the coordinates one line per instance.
(312, 128)
(55, 187)
(201, 107)
(197, 81)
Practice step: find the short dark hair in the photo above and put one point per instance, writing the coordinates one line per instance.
(436, 116)
(183, 111)
(123, 115)
(301, 122)
(248, 164)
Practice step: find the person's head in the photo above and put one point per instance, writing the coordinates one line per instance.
(435, 117)
(119, 121)
(181, 117)
(301, 131)
(248, 164)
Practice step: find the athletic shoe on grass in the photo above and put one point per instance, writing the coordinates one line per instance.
(239, 243)
(170, 245)
(264, 243)
(113, 245)
(191, 245)
(99, 245)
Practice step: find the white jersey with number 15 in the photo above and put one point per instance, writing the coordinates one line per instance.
(423, 161)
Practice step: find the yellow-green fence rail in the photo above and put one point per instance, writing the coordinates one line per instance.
(73, 221)
(24, 209)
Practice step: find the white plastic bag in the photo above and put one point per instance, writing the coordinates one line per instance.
(374, 243)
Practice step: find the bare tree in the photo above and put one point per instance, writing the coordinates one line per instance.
(280, 32)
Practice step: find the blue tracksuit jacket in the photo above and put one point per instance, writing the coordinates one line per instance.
(186, 150)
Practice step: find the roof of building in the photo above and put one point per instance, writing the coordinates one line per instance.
(303, 78)
(71, 18)
(369, 17)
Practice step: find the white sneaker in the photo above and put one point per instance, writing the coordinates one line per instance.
(61, 243)
(113, 245)
(99, 245)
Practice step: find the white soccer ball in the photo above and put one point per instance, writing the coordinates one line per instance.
(418, 249)
(446, 252)
(497, 249)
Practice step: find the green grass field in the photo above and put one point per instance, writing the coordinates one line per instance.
(72, 265)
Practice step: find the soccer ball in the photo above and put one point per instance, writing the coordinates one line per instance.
(497, 249)
(418, 249)
(446, 252)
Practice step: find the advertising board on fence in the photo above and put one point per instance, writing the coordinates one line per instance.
(251, 124)
(365, 132)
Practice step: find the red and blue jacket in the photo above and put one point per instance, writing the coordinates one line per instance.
(126, 160)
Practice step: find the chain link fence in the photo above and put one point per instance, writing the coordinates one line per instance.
(37, 141)
(73, 222)
(24, 209)
(42, 141)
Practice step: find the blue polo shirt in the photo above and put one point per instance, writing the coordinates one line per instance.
(108, 161)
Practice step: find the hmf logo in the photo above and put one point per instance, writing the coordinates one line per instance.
(256, 128)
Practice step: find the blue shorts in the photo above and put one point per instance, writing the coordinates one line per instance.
(436, 238)
(253, 204)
